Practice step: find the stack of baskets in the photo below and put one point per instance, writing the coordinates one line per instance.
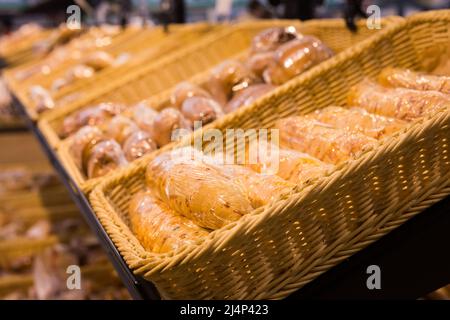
(279, 248)
(155, 81)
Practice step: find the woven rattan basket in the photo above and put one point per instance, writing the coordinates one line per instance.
(279, 248)
(143, 47)
(191, 62)
(130, 40)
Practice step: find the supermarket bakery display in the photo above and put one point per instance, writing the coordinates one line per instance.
(231, 85)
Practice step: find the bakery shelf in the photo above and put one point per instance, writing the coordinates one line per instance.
(410, 257)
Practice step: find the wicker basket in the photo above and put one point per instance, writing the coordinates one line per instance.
(279, 248)
(129, 40)
(191, 62)
(145, 47)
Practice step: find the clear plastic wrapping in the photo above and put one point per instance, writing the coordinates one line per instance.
(258, 62)
(295, 57)
(261, 189)
(201, 109)
(159, 228)
(270, 39)
(228, 78)
(320, 140)
(405, 78)
(358, 120)
(197, 190)
(104, 157)
(79, 142)
(93, 116)
(167, 123)
(144, 115)
(42, 99)
(138, 144)
(247, 96)
(120, 128)
(404, 104)
(99, 60)
(291, 165)
(186, 90)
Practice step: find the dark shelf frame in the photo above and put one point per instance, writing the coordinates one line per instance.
(413, 258)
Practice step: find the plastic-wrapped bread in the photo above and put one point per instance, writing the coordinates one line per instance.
(76, 73)
(102, 158)
(259, 62)
(99, 60)
(168, 124)
(271, 38)
(295, 57)
(120, 128)
(42, 99)
(201, 109)
(228, 78)
(291, 165)
(144, 115)
(93, 116)
(247, 96)
(405, 78)
(186, 90)
(404, 104)
(197, 190)
(322, 141)
(85, 136)
(358, 120)
(261, 189)
(159, 228)
(137, 145)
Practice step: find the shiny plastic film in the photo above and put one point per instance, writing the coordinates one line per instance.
(326, 143)
(405, 78)
(400, 103)
(159, 228)
(358, 120)
(197, 190)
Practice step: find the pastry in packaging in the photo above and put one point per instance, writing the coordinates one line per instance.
(201, 109)
(85, 136)
(103, 157)
(258, 62)
(168, 125)
(270, 39)
(247, 96)
(295, 57)
(138, 144)
(144, 115)
(120, 128)
(197, 190)
(228, 78)
(358, 120)
(291, 165)
(99, 60)
(94, 116)
(159, 228)
(405, 78)
(400, 103)
(322, 141)
(186, 90)
(261, 189)
(41, 98)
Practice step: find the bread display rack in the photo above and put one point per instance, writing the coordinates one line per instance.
(335, 272)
